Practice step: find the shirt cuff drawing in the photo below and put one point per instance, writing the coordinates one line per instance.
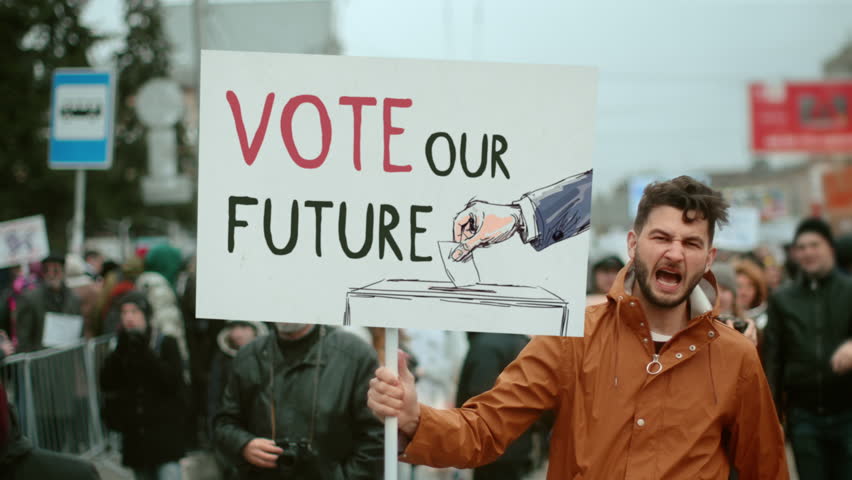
(530, 230)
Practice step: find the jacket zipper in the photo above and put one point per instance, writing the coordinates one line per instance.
(654, 366)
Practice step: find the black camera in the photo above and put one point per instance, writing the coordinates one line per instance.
(298, 461)
(739, 324)
(297, 457)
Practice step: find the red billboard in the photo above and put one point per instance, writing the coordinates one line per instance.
(810, 117)
(837, 188)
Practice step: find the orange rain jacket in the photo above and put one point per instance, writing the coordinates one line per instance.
(708, 409)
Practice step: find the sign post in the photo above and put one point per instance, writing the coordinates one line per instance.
(81, 131)
(391, 423)
(361, 192)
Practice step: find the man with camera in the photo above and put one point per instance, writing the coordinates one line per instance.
(294, 407)
(143, 388)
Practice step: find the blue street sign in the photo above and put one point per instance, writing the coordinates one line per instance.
(82, 109)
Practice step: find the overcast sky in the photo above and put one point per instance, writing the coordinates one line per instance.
(673, 74)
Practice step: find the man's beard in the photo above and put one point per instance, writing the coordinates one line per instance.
(643, 277)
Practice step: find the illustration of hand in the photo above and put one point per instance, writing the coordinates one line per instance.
(483, 224)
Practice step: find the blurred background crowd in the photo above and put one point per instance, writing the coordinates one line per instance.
(102, 357)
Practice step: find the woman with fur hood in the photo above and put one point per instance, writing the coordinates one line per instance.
(166, 316)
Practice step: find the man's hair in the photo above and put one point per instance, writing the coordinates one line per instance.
(698, 201)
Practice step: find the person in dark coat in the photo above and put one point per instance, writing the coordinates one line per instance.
(19, 460)
(143, 386)
(807, 351)
(318, 426)
(51, 296)
(487, 356)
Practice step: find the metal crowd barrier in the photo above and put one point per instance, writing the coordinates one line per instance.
(56, 395)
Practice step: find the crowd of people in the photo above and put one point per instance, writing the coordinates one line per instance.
(692, 361)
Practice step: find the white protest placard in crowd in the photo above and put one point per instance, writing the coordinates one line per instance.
(23, 241)
(326, 183)
(742, 233)
(61, 329)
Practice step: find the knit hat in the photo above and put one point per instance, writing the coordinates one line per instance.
(165, 260)
(132, 268)
(54, 258)
(137, 298)
(609, 262)
(815, 225)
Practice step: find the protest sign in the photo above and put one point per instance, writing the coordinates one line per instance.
(326, 183)
(23, 241)
(742, 233)
(61, 329)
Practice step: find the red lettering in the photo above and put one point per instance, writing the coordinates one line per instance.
(249, 151)
(357, 103)
(287, 130)
(391, 130)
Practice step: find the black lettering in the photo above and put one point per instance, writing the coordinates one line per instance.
(294, 228)
(368, 233)
(483, 163)
(429, 143)
(415, 209)
(385, 228)
(495, 154)
(233, 223)
(318, 206)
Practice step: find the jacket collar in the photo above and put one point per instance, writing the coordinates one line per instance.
(309, 352)
(812, 283)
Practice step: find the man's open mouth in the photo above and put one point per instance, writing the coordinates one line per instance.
(668, 278)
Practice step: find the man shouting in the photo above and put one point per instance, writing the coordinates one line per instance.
(657, 387)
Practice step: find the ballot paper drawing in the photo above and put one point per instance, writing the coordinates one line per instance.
(326, 184)
(462, 273)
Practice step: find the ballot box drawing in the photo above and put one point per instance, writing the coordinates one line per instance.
(443, 306)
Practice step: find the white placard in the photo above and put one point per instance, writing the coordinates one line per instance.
(325, 144)
(742, 233)
(23, 241)
(61, 329)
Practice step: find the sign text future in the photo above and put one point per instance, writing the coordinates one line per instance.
(443, 155)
